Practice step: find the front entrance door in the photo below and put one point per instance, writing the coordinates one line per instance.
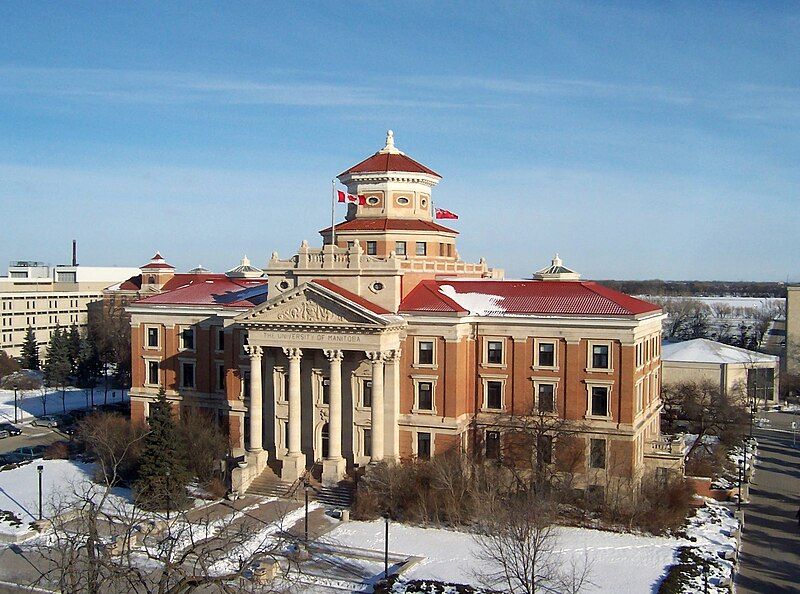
(325, 440)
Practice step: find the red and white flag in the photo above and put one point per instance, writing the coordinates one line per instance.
(444, 214)
(350, 199)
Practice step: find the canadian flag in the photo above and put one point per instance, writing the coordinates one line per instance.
(350, 199)
(444, 214)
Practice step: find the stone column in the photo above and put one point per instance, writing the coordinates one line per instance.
(256, 409)
(334, 466)
(377, 412)
(294, 464)
(391, 406)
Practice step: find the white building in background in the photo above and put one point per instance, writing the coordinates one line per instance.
(42, 296)
(732, 368)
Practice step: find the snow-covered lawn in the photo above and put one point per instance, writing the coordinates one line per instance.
(31, 403)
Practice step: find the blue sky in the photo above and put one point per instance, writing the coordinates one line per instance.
(639, 140)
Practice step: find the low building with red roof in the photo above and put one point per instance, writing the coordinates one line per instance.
(384, 345)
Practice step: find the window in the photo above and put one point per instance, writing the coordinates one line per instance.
(152, 373)
(366, 393)
(187, 339)
(221, 371)
(547, 397)
(246, 384)
(544, 449)
(422, 248)
(494, 352)
(152, 337)
(600, 356)
(599, 404)
(424, 446)
(493, 445)
(350, 245)
(494, 395)
(425, 352)
(368, 442)
(372, 248)
(220, 340)
(425, 395)
(187, 375)
(400, 248)
(326, 390)
(547, 354)
(597, 453)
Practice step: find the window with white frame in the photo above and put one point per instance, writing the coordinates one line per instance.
(422, 248)
(425, 352)
(546, 397)
(599, 401)
(187, 339)
(494, 352)
(597, 453)
(546, 354)
(599, 355)
(366, 393)
(187, 374)
(494, 395)
(153, 373)
(152, 337)
(400, 248)
(425, 396)
(424, 448)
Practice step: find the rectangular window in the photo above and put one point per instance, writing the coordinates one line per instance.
(547, 354)
(599, 401)
(441, 249)
(220, 340)
(544, 449)
(493, 445)
(494, 395)
(187, 375)
(422, 248)
(326, 390)
(152, 373)
(246, 384)
(600, 356)
(221, 372)
(400, 248)
(366, 393)
(425, 352)
(152, 337)
(547, 397)
(368, 442)
(597, 453)
(187, 339)
(425, 395)
(350, 245)
(372, 248)
(424, 446)
(494, 352)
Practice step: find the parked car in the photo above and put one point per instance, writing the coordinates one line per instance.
(4, 434)
(11, 460)
(10, 429)
(31, 452)
(46, 421)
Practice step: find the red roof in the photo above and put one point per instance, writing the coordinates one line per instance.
(210, 289)
(390, 225)
(381, 162)
(357, 299)
(529, 297)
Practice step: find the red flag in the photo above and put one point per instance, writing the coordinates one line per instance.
(445, 214)
(350, 199)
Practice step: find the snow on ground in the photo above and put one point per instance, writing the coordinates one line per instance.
(740, 302)
(31, 403)
(618, 560)
(713, 529)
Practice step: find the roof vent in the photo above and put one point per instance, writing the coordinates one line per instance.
(556, 272)
(245, 270)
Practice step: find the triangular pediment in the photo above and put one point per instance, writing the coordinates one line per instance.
(310, 304)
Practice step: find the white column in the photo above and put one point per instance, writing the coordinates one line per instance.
(294, 463)
(377, 405)
(391, 406)
(256, 409)
(333, 467)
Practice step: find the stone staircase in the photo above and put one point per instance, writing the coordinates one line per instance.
(269, 484)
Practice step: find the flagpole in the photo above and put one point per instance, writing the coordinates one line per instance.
(333, 211)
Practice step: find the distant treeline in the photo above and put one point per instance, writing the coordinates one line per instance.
(697, 288)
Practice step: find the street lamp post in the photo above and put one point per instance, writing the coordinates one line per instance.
(386, 547)
(16, 419)
(40, 468)
(305, 525)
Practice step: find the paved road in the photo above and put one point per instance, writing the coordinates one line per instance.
(31, 436)
(770, 559)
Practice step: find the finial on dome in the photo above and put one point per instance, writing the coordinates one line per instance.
(390, 147)
(557, 261)
(245, 261)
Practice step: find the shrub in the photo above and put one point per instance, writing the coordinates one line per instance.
(57, 451)
(201, 446)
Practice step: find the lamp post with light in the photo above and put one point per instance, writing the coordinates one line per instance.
(386, 547)
(306, 488)
(40, 469)
(16, 387)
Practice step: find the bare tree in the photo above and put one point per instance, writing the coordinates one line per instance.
(518, 543)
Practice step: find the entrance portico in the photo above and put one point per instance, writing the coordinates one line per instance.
(302, 324)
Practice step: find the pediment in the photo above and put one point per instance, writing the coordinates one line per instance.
(311, 305)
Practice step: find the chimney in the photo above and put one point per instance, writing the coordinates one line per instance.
(74, 252)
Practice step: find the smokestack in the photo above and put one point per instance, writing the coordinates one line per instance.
(74, 252)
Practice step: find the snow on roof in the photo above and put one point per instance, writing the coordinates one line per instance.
(477, 304)
(703, 350)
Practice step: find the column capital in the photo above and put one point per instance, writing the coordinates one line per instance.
(253, 350)
(293, 353)
(333, 354)
(375, 357)
(392, 355)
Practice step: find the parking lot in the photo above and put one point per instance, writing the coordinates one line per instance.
(31, 436)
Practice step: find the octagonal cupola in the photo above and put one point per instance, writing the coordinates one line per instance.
(394, 185)
(556, 272)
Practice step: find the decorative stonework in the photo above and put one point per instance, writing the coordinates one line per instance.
(293, 353)
(309, 311)
(254, 351)
(333, 354)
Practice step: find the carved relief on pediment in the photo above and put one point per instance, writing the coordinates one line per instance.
(308, 311)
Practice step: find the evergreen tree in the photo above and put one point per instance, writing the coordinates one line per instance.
(162, 475)
(30, 350)
(73, 340)
(58, 365)
(88, 367)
